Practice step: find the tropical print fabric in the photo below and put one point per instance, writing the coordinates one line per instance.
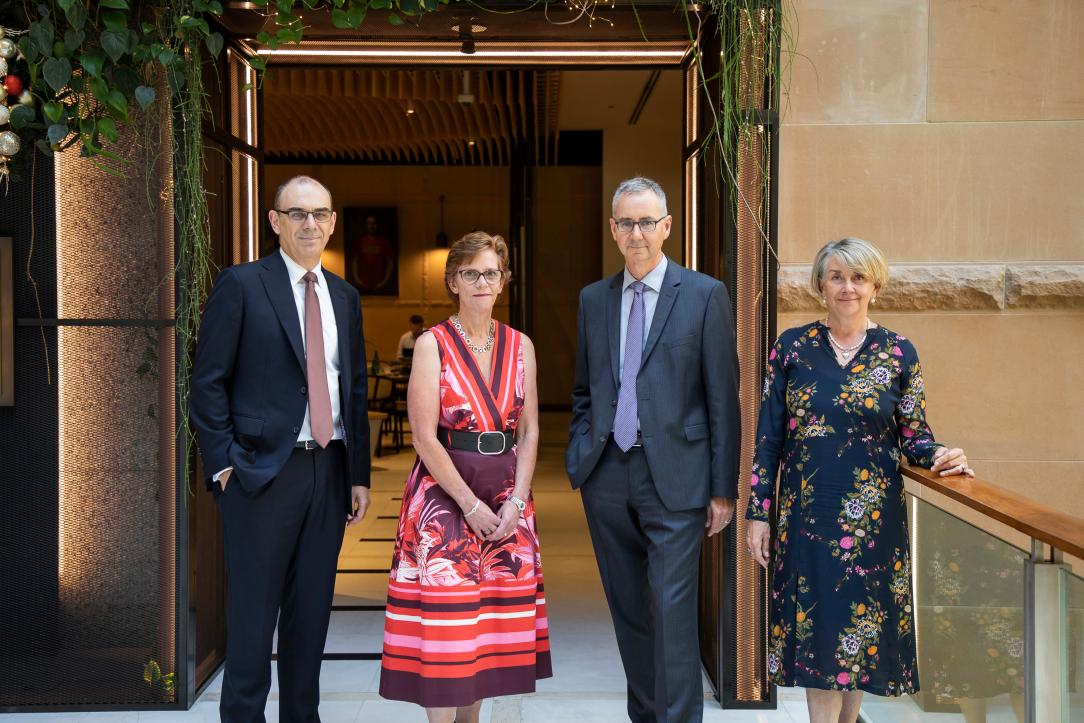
(466, 618)
(842, 615)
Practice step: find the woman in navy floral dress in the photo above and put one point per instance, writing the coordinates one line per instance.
(843, 400)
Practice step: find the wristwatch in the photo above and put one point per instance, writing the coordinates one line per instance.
(520, 504)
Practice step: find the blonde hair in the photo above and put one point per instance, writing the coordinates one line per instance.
(857, 255)
(465, 249)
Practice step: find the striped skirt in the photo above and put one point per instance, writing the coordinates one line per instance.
(466, 618)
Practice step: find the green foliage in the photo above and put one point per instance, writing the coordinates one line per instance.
(99, 58)
(753, 33)
(345, 15)
(152, 672)
(194, 262)
(90, 61)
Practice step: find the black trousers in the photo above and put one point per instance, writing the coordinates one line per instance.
(282, 548)
(648, 558)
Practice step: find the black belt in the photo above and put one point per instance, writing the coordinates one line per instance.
(311, 444)
(482, 442)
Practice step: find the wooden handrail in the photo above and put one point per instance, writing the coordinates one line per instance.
(1059, 530)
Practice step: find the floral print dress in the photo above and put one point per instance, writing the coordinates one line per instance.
(466, 618)
(842, 615)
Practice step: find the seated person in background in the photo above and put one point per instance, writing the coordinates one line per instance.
(406, 341)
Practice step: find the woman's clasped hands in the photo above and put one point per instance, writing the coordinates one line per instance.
(489, 525)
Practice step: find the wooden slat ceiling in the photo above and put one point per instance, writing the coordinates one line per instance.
(361, 114)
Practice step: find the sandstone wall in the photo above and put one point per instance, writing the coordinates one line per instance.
(949, 133)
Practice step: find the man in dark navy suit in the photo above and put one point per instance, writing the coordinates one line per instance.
(654, 447)
(278, 402)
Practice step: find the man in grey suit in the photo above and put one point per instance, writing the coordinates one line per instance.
(654, 448)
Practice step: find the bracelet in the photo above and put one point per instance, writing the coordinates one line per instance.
(472, 509)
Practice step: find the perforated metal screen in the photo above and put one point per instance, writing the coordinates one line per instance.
(87, 452)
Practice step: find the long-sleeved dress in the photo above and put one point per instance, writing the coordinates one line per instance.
(841, 600)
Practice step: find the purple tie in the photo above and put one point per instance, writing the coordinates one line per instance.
(625, 422)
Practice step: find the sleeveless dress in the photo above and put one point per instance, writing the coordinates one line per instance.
(466, 618)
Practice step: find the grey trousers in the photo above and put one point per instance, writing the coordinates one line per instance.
(648, 558)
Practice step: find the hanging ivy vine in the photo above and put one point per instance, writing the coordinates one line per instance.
(754, 35)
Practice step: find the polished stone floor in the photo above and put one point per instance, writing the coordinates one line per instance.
(588, 684)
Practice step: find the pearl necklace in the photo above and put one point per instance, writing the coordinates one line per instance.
(846, 352)
(466, 339)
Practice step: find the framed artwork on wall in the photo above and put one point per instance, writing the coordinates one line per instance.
(371, 246)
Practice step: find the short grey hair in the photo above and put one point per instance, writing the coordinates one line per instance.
(639, 184)
(857, 255)
(297, 179)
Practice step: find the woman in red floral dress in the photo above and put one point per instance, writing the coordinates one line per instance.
(466, 616)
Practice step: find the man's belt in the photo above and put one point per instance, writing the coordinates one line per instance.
(482, 442)
(310, 444)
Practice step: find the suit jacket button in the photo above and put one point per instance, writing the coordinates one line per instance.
(613, 402)
(297, 430)
(602, 438)
(303, 390)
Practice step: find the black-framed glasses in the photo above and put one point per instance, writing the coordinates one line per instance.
(647, 225)
(298, 215)
(492, 276)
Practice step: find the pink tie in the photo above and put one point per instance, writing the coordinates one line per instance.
(316, 369)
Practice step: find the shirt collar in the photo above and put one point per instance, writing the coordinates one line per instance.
(652, 279)
(296, 270)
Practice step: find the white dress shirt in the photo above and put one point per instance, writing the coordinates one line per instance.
(406, 341)
(331, 340)
(652, 285)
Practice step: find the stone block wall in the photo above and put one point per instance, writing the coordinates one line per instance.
(948, 132)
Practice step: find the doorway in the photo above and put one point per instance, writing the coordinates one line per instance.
(536, 202)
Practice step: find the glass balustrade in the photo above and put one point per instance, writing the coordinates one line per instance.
(969, 589)
(1074, 648)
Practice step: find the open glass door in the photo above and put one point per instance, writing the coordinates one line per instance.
(233, 172)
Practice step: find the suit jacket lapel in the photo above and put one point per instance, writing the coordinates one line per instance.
(667, 295)
(276, 281)
(613, 323)
(340, 304)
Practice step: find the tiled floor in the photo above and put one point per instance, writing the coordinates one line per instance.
(588, 685)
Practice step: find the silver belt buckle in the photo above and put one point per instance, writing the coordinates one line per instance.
(481, 436)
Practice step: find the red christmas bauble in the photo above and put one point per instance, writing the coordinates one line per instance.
(13, 85)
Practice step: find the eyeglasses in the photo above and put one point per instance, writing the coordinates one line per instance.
(647, 225)
(492, 276)
(298, 215)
